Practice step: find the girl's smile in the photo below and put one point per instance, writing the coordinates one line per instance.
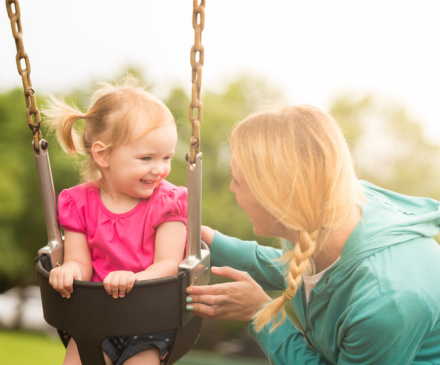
(148, 182)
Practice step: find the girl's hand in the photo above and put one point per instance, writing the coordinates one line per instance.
(61, 278)
(207, 235)
(117, 283)
(237, 301)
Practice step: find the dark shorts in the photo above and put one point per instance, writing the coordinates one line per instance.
(120, 349)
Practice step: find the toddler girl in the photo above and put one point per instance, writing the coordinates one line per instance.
(126, 222)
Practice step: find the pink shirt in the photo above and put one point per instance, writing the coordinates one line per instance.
(120, 241)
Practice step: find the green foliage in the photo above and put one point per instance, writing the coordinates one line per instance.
(389, 147)
(22, 226)
(220, 112)
(387, 144)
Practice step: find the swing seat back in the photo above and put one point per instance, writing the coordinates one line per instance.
(91, 315)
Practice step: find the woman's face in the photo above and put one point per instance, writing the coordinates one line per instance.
(265, 224)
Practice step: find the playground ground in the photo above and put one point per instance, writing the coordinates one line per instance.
(24, 348)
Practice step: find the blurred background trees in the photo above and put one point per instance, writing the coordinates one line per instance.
(387, 143)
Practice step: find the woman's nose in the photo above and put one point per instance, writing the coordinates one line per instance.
(231, 187)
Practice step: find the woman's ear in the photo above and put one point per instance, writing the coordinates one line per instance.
(100, 154)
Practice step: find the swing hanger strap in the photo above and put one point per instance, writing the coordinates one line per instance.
(32, 112)
(197, 59)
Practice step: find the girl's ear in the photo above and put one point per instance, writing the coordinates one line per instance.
(100, 154)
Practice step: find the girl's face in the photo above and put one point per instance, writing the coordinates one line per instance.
(265, 224)
(136, 169)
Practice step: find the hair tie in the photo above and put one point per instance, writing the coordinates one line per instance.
(84, 116)
(288, 294)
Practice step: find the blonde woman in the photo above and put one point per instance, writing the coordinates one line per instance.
(125, 222)
(359, 264)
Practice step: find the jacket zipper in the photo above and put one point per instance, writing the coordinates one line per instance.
(307, 323)
(305, 315)
(305, 332)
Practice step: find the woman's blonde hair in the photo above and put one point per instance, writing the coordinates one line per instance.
(297, 165)
(114, 111)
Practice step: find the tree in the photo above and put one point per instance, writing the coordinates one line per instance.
(388, 146)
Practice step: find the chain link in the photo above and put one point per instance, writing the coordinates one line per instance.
(197, 59)
(32, 112)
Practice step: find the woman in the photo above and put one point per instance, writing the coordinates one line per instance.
(358, 264)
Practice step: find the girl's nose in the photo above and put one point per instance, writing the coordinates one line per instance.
(158, 169)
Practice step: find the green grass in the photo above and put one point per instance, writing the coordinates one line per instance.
(24, 348)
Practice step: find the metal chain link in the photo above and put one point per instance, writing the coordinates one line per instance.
(29, 93)
(198, 22)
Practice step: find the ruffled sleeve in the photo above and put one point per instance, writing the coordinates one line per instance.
(68, 213)
(170, 207)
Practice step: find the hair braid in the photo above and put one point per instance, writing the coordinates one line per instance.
(297, 258)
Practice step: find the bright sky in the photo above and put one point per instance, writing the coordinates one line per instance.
(313, 50)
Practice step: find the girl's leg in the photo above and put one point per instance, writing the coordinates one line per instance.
(72, 355)
(146, 357)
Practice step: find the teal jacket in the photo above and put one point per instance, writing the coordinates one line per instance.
(379, 304)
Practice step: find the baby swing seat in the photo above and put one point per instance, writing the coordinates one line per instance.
(91, 315)
(152, 306)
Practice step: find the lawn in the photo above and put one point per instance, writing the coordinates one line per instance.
(24, 348)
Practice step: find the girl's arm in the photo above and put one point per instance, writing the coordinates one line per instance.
(168, 253)
(77, 264)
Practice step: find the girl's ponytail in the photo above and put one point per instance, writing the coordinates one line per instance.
(61, 117)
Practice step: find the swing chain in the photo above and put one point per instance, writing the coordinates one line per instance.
(29, 92)
(198, 22)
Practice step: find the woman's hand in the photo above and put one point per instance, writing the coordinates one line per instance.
(207, 235)
(117, 283)
(237, 301)
(61, 278)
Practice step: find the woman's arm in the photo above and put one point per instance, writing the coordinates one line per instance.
(260, 262)
(77, 264)
(241, 299)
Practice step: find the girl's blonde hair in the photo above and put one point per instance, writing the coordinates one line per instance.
(297, 165)
(114, 111)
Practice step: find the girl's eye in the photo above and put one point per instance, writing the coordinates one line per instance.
(168, 158)
(145, 158)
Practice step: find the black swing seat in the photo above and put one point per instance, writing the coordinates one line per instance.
(91, 315)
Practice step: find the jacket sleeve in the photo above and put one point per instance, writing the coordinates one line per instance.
(286, 345)
(248, 256)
